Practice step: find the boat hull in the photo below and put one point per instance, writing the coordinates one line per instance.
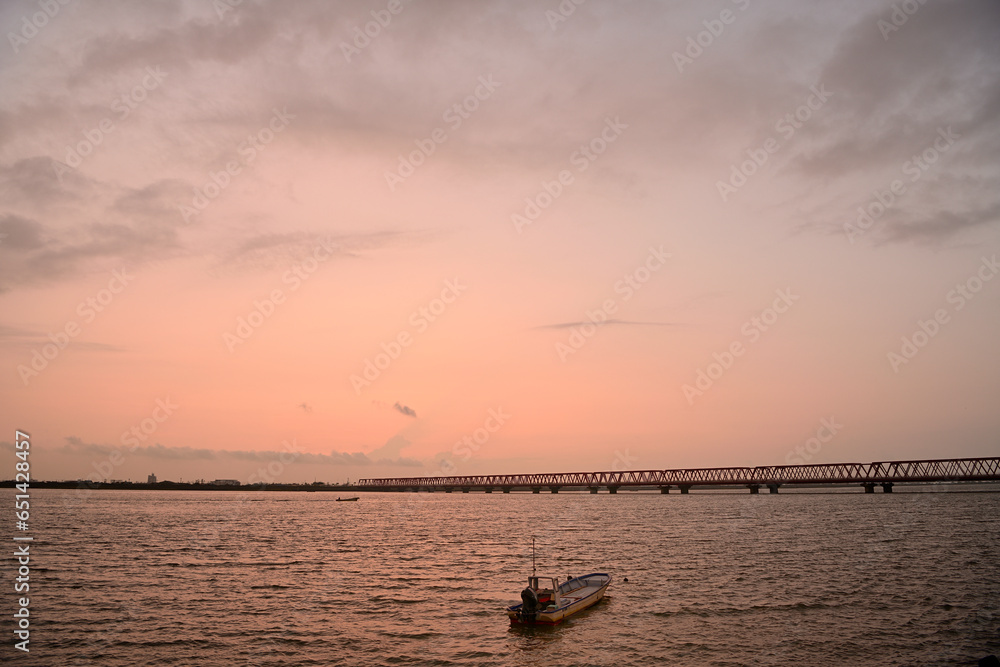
(582, 592)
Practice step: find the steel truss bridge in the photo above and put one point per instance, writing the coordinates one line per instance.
(867, 475)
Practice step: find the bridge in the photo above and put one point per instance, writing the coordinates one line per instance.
(882, 474)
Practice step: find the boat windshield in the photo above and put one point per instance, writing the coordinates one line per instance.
(548, 589)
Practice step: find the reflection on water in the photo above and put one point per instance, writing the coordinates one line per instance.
(265, 579)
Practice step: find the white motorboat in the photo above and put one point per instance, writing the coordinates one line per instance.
(547, 602)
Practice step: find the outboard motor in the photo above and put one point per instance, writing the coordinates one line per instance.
(529, 605)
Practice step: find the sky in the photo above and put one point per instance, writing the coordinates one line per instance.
(298, 241)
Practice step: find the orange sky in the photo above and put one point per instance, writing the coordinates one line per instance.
(236, 235)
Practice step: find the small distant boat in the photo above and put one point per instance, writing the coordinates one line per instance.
(547, 602)
(345, 500)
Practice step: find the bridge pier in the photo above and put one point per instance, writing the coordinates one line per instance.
(685, 488)
(592, 489)
(554, 489)
(488, 489)
(754, 488)
(506, 489)
(869, 488)
(664, 489)
(448, 489)
(773, 488)
(612, 489)
(465, 489)
(886, 487)
(536, 489)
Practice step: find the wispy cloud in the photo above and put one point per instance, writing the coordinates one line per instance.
(15, 337)
(279, 250)
(405, 410)
(76, 446)
(391, 449)
(611, 322)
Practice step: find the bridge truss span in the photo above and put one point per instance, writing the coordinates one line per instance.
(867, 475)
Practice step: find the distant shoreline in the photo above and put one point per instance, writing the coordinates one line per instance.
(178, 486)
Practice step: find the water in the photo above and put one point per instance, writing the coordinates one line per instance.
(223, 578)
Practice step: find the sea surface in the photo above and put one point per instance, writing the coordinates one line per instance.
(231, 578)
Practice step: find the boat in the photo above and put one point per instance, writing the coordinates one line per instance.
(547, 602)
(344, 500)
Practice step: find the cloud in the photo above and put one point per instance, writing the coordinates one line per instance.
(940, 67)
(136, 227)
(270, 251)
(936, 226)
(405, 410)
(570, 325)
(274, 251)
(20, 233)
(15, 337)
(154, 202)
(186, 43)
(35, 183)
(892, 94)
(77, 446)
(391, 449)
